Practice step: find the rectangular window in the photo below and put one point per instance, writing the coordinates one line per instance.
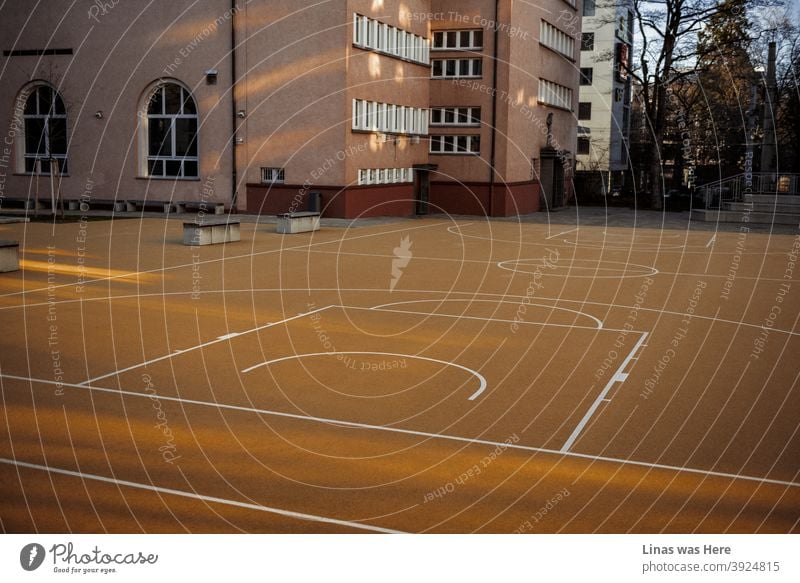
(584, 146)
(556, 39)
(371, 34)
(370, 116)
(586, 75)
(588, 7)
(456, 116)
(385, 176)
(585, 110)
(457, 68)
(554, 94)
(458, 40)
(463, 145)
(273, 176)
(587, 41)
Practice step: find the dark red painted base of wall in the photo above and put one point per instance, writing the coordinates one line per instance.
(396, 200)
(473, 199)
(391, 200)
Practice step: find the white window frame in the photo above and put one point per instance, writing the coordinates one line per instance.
(448, 144)
(173, 118)
(456, 111)
(371, 34)
(443, 35)
(46, 118)
(555, 95)
(388, 118)
(273, 175)
(556, 39)
(473, 67)
(373, 176)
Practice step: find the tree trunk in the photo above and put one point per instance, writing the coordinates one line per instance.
(656, 178)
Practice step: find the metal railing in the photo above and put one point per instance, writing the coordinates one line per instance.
(738, 188)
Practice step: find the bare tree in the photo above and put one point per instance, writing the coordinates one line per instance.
(668, 50)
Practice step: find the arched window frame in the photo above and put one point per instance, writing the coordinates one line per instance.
(45, 130)
(178, 158)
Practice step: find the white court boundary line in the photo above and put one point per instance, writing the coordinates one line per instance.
(408, 291)
(560, 234)
(201, 497)
(618, 377)
(166, 268)
(494, 320)
(683, 249)
(498, 301)
(594, 269)
(225, 338)
(476, 374)
(233, 335)
(494, 262)
(438, 436)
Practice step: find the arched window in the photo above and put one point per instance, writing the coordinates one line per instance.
(45, 119)
(172, 133)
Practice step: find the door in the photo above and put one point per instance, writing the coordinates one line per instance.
(422, 187)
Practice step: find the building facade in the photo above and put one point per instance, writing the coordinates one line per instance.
(604, 110)
(379, 108)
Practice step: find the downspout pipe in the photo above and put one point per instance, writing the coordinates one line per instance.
(495, 67)
(234, 160)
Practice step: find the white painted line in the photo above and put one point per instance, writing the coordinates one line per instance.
(575, 271)
(476, 374)
(229, 336)
(440, 436)
(711, 241)
(632, 245)
(621, 376)
(497, 320)
(193, 496)
(497, 301)
(250, 291)
(340, 241)
(559, 234)
(612, 381)
(198, 347)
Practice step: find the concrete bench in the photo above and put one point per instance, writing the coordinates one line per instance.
(208, 207)
(28, 204)
(134, 205)
(84, 206)
(206, 233)
(292, 223)
(9, 256)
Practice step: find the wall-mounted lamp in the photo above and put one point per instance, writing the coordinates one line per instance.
(239, 141)
(98, 114)
(241, 114)
(211, 77)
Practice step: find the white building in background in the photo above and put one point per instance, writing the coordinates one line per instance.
(604, 109)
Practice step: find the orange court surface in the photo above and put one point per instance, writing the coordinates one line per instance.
(434, 375)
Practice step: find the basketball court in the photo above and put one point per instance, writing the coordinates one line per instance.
(430, 375)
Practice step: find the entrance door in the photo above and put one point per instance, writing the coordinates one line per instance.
(422, 187)
(551, 176)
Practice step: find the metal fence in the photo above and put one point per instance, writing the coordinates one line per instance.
(737, 188)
